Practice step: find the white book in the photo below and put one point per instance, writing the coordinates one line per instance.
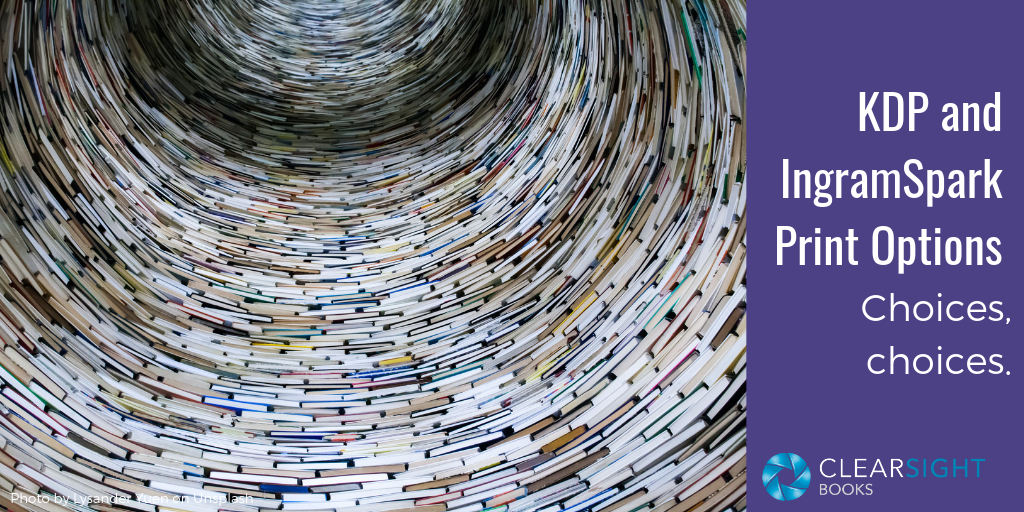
(344, 479)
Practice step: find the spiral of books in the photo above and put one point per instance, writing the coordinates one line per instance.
(373, 255)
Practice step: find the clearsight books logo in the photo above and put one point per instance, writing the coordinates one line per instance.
(786, 477)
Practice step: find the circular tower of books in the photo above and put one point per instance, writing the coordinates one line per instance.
(381, 255)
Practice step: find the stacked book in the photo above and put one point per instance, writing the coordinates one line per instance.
(373, 256)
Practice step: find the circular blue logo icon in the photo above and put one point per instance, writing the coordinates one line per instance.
(777, 480)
